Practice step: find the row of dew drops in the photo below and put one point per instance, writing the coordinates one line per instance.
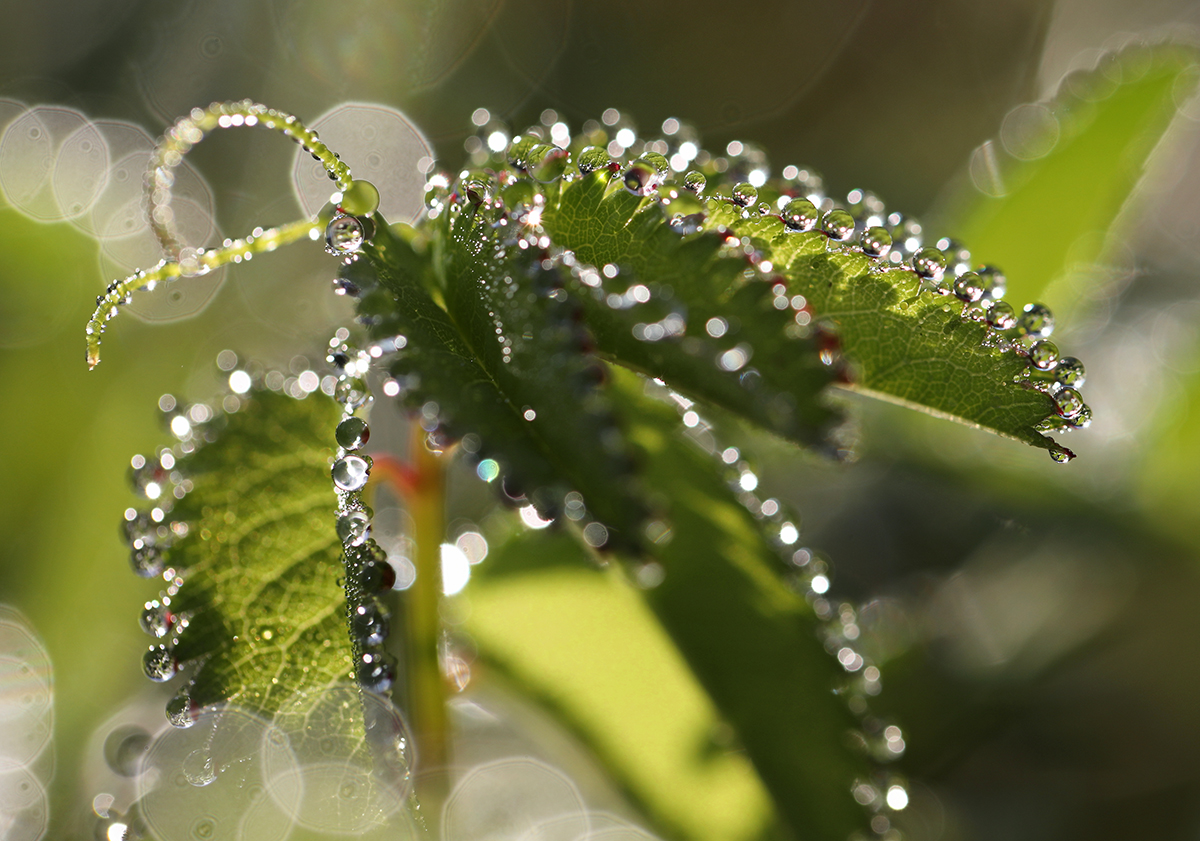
(674, 170)
(809, 573)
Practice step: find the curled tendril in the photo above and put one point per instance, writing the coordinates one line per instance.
(181, 261)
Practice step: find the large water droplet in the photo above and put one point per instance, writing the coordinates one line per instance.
(376, 672)
(181, 712)
(876, 241)
(146, 559)
(353, 528)
(1068, 403)
(159, 664)
(1036, 321)
(1084, 419)
(352, 433)
(360, 198)
(344, 235)
(695, 181)
(745, 194)
(369, 624)
(1043, 355)
(593, 158)
(995, 284)
(1002, 316)
(929, 264)
(838, 225)
(640, 178)
(352, 393)
(969, 287)
(801, 215)
(156, 620)
(352, 472)
(1070, 371)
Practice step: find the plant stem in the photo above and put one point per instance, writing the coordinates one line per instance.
(426, 689)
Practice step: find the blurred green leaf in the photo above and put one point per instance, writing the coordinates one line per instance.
(1054, 207)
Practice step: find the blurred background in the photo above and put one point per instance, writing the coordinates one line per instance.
(1040, 621)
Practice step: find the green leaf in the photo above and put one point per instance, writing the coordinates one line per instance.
(1054, 209)
(260, 563)
(579, 640)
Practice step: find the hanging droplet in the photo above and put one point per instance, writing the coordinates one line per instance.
(1043, 355)
(1036, 321)
(745, 194)
(995, 284)
(352, 393)
(124, 749)
(369, 624)
(344, 235)
(1070, 371)
(929, 264)
(593, 158)
(1060, 454)
(351, 473)
(361, 198)
(969, 287)
(146, 559)
(376, 672)
(1068, 403)
(156, 620)
(695, 181)
(352, 433)
(801, 215)
(1084, 419)
(159, 664)
(876, 241)
(838, 225)
(181, 712)
(353, 528)
(1002, 316)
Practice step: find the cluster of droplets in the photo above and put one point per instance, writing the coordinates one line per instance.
(368, 573)
(675, 172)
(347, 218)
(809, 573)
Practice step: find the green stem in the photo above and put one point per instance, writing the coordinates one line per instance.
(426, 688)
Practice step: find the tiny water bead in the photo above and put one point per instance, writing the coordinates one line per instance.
(1043, 355)
(745, 194)
(361, 198)
(594, 158)
(1068, 403)
(968, 287)
(1070, 372)
(1002, 316)
(929, 264)
(353, 528)
(181, 711)
(159, 664)
(1036, 321)
(156, 619)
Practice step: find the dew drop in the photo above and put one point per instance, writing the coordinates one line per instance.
(995, 284)
(1070, 371)
(361, 198)
(929, 264)
(159, 664)
(695, 181)
(156, 620)
(344, 235)
(353, 528)
(351, 473)
(376, 672)
(1036, 321)
(1068, 403)
(181, 712)
(838, 225)
(640, 178)
(969, 287)
(689, 224)
(146, 559)
(199, 768)
(369, 624)
(875, 241)
(659, 162)
(352, 393)
(745, 194)
(801, 215)
(1043, 355)
(352, 433)
(1002, 316)
(1084, 419)
(593, 158)
(1060, 454)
